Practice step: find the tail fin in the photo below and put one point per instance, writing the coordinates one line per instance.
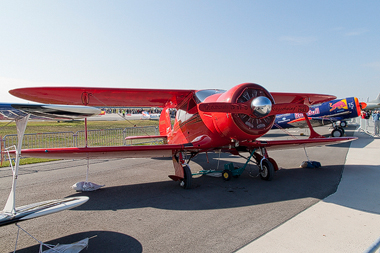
(374, 101)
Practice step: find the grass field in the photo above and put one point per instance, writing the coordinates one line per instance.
(7, 128)
(74, 126)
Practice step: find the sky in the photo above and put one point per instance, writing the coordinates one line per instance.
(327, 47)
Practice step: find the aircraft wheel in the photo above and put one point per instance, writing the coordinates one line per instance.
(227, 175)
(337, 132)
(186, 182)
(343, 124)
(267, 170)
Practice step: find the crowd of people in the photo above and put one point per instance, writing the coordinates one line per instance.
(365, 119)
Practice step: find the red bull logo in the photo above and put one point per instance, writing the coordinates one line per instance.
(342, 104)
(311, 112)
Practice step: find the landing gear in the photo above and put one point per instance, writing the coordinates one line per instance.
(182, 171)
(337, 132)
(266, 170)
(267, 166)
(185, 183)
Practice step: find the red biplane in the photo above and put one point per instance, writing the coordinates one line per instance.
(206, 120)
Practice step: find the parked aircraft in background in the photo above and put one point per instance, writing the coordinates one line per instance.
(20, 113)
(152, 116)
(206, 120)
(335, 112)
(374, 104)
(12, 111)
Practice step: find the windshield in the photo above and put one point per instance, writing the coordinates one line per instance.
(201, 95)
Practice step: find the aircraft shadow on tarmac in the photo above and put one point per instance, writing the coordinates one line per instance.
(100, 241)
(365, 140)
(209, 193)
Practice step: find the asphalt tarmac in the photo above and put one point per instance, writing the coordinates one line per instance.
(141, 210)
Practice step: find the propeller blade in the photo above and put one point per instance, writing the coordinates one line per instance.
(288, 108)
(226, 107)
(244, 108)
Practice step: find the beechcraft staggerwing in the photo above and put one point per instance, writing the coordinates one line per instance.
(335, 112)
(206, 120)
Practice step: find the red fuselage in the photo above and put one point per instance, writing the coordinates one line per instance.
(216, 129)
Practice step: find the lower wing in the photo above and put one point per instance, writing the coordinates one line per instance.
(143, 151)
(296, 143)
(166, 150)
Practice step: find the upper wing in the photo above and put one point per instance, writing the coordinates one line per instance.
(14, 111)
(301, 98)
(102, 96)
(136, 97)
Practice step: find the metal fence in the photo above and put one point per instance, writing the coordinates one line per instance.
(113, 137)
(41, 140)
(100, 137)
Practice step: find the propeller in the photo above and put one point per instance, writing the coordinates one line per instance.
(259, 107)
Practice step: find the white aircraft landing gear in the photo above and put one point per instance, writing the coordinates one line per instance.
(338, 130)
(343, 123)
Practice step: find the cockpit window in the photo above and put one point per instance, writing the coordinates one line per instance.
(201, 95)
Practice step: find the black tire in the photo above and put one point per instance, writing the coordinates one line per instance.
(266, 170)
(186, 182)
(337, 132)
(226, 175)
(343, 123)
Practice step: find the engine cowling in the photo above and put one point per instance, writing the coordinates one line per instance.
(243, 126)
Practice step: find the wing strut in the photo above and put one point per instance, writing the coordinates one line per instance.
(21, 126)
(86, 185)
(313, 134)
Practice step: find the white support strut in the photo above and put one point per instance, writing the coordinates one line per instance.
(21, 126)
